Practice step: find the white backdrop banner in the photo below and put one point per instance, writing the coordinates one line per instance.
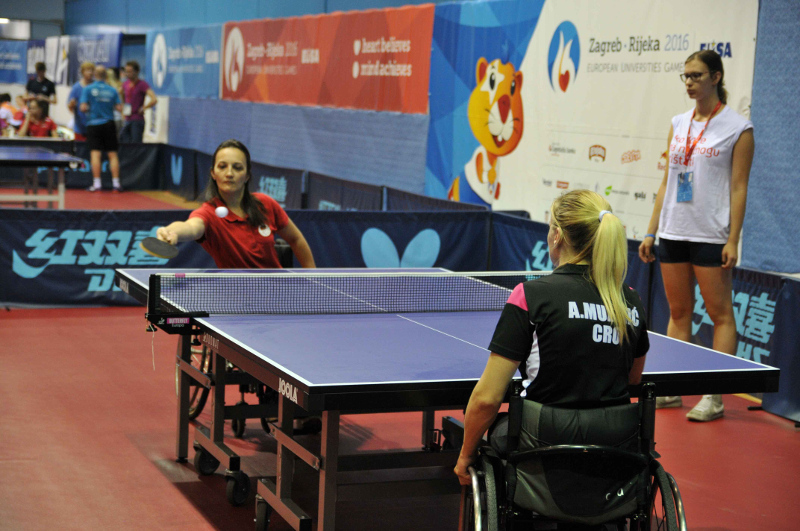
(599, 85)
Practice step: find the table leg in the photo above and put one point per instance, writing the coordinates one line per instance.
(217, 433)
(285, 466)
(329, 452)
(61, 189)
(428, 418)
(182, 440)
(50, 186)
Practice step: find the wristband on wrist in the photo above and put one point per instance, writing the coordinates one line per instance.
(650, 236)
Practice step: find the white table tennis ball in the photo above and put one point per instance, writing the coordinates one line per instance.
(221, 211)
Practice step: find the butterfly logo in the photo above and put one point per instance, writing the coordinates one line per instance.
(176, 164)
(379, 251)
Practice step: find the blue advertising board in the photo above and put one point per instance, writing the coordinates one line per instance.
(98, 49)
(184, 62)
(68, 257)
(13, 59)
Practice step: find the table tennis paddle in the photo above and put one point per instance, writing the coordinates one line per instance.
(159, 248)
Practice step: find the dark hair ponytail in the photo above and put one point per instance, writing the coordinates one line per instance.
(253, 208)
(714, 63)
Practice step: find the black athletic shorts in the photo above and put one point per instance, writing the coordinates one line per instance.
(697, 253)
(102, 137)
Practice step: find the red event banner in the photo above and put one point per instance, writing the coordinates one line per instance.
(376, 60)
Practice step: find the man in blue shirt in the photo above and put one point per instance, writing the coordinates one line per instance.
(98, 101)
(87, 75)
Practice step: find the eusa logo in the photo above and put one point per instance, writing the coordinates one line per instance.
(379, 251)
(564, 56)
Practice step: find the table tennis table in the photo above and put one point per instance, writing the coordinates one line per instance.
(344, 361)
(31, 158)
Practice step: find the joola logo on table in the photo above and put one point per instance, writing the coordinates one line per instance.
(211, 341)
(287, 390)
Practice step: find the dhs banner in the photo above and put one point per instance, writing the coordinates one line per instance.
(184, 62)
(330, 193)
(453, 240)
(375, 60)
(13, 57)
(282, 184)
(57, 258)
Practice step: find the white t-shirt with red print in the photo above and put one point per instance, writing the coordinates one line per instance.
(707, 217)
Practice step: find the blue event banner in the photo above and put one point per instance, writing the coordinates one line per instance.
(68, 257)
(453, 240)
(184, 62)
(98, 49)
(13, 60)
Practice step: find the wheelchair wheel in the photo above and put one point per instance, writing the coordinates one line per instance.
(483, 511)
(198, 395)
(663, 515)
(676, 496)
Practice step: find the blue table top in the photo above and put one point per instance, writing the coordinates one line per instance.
(16, 155)
(362, 349)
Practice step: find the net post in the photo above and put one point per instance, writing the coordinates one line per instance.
(153, 294)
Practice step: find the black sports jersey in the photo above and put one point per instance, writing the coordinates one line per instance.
(570, 353)
(45, 87)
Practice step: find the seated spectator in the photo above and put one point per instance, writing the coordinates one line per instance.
(6, 112)
(37, 123)
(19, 112)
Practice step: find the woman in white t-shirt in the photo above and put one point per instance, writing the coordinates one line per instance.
(699, 212)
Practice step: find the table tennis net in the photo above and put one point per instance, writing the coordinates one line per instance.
(336, 293)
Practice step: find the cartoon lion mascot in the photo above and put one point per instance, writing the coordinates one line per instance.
(496, 119)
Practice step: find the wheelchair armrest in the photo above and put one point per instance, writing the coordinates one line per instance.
(572, 449)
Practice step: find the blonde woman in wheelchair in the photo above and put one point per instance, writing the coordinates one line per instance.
(578, 336)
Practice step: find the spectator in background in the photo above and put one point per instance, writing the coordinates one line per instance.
(40, 88)
(113, 80)
(134, 91)
(6, 112)
(19, 112)
(87, 74)
(37, 123)
(98, 100)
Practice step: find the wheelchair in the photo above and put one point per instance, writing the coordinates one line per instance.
(573, 469)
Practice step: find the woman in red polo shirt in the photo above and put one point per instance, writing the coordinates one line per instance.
(37, 123)
(245, 237)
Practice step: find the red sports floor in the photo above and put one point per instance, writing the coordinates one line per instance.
(87, 442)
(87, 435)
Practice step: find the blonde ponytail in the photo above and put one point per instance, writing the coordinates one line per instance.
(601, 241)
(609, 267)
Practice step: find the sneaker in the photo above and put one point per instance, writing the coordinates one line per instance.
(668, 401)
(93, 189)
(118, 189)
(709, 408)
